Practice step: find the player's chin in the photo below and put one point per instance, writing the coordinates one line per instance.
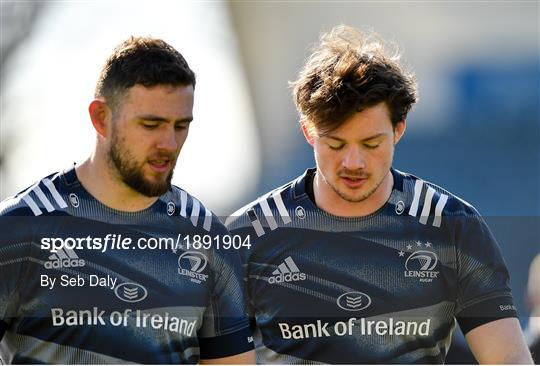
(157, 187)
(354, 198)
(157, 180)
(352, 194)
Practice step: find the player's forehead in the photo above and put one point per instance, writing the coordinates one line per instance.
(174, 101)
(371, 122)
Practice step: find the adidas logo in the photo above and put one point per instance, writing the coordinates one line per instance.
(287, 272)
(64, 258)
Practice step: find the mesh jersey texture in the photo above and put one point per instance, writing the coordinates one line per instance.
(135, 304)
(384, 288)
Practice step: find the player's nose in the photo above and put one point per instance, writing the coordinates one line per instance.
(353, 159)
(168, 140)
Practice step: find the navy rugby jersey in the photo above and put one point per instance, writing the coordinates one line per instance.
(384, 288)
(130, 303)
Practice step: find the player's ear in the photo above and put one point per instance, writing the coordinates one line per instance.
(100, 114)
(399, 130)
(305, 129)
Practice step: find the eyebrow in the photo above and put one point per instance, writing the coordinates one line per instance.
(363, 140)
(154, 118)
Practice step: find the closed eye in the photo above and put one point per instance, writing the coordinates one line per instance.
(372, 146)
(182, 126)
(336, 147)
(150, 125)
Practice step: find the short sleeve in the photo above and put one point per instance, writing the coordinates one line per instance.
(484, 293)
(15, 245)
(237, 226)
(225, 331)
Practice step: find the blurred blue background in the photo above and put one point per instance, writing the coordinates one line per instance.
(475, 131)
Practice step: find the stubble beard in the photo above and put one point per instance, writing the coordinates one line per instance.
(350, 199)
(131, 173)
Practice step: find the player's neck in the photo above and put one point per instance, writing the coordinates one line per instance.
(97, 178)
(328, 200)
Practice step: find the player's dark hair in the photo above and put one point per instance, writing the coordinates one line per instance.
(145, 61)
(348, 72)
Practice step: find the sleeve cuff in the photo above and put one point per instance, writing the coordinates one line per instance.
(486, 311)
(3, 327)
(226, 345)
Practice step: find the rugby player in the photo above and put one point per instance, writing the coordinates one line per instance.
(355, 261)
(82, 277)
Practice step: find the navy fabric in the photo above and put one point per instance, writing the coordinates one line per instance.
(384, 288)
(129, 303)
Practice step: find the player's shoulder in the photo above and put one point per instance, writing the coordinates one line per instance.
(188, 207)
(273, 205)
(41, 198)
(423, 196)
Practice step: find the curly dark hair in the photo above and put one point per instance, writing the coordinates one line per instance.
(141, 60)
(348, 72)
